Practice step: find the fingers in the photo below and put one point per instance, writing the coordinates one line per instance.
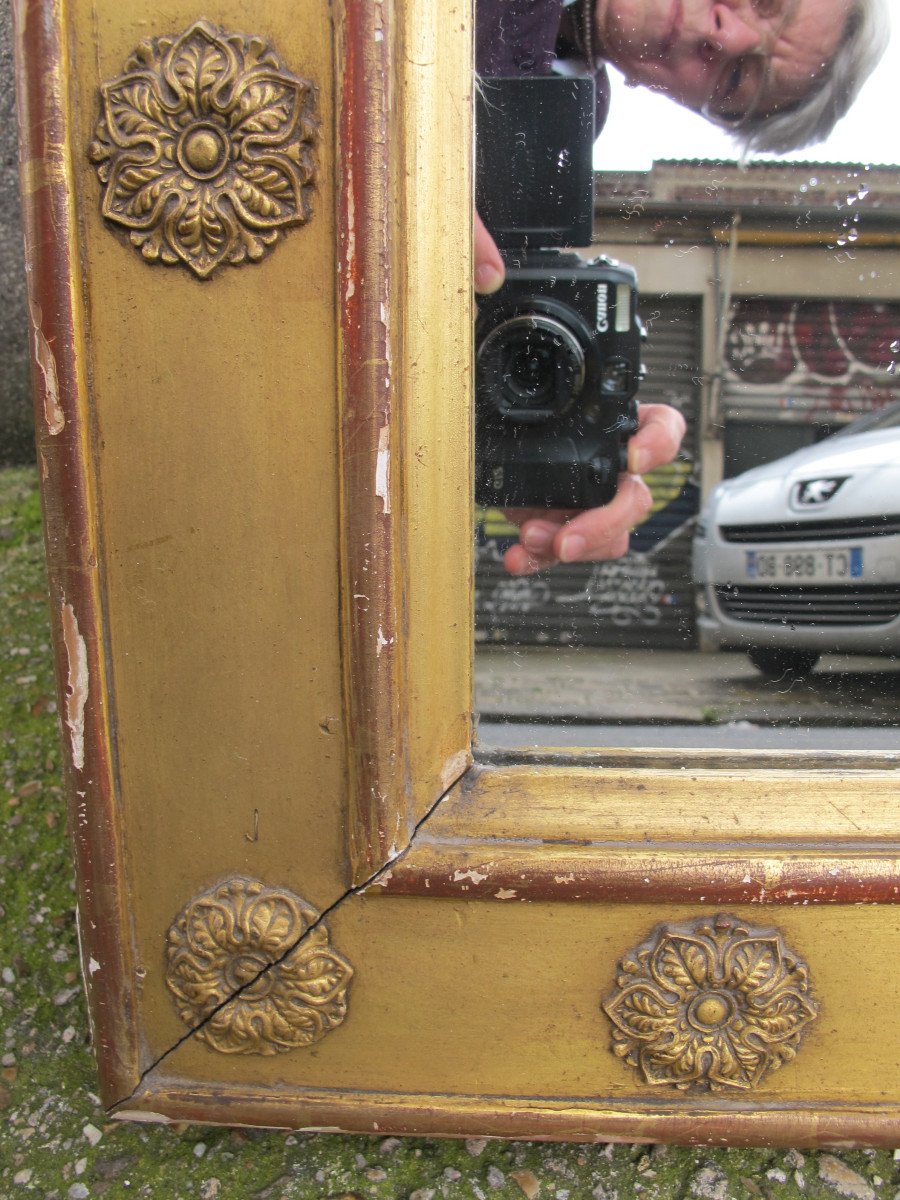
(550, 537)
(489, 268)
(600, 533)
(534, 550)
(660, 430)
(591, 536)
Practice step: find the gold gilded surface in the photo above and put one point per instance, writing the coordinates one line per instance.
(711, 1005)
(205, 145)
(493, 1009)
(403, 89)
(669, 795)
(436, 464)
(253, 967)
(214, 411)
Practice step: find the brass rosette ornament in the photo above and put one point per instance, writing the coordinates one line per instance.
(710, 1005)
(252, 970)
(205, 145)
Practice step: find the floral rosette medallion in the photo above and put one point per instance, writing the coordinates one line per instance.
(710, 1005)
(205, 145)
(252, 970)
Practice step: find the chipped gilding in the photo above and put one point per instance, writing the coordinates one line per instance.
(54, 416)
(76, 683)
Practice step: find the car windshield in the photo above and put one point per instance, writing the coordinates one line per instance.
(885, 418)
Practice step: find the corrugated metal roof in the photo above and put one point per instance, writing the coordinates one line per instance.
(703, 186)
(762, 164)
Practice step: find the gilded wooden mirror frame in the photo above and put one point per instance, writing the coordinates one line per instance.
(303, 899)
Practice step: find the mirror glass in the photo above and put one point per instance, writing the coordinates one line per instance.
(758, 605)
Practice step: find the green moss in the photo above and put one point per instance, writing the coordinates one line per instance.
(50, 1118)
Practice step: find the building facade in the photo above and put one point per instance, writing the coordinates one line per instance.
(771, 298)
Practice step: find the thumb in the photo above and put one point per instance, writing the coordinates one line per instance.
(489, 269)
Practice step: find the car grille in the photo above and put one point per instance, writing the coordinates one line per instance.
(821, 606)
(814, 531)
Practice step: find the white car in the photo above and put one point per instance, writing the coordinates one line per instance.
(801, 557)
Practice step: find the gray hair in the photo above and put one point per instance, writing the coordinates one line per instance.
(865, 37)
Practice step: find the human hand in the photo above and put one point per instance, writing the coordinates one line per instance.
(548, 536)
(489, 268)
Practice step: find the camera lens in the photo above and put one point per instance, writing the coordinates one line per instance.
(531, 371)
(530, 367)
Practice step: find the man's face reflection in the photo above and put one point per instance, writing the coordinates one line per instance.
(727, 59)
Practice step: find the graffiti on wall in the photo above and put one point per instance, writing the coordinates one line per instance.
(626, 592)
(846, 352)
(629, 592)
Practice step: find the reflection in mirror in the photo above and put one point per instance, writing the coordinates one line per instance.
(757, 604)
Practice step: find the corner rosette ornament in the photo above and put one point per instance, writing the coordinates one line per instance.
(252, 970)
(711, 1005)
(206, 147)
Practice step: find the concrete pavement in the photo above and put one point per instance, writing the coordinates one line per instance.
(678, 686)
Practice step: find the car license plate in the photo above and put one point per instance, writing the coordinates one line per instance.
(805, 566)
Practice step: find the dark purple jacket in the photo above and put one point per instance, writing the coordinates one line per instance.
(519, 37)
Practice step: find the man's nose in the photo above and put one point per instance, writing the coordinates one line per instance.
(732, 34)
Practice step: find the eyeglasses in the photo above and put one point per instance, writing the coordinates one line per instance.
(741, 85)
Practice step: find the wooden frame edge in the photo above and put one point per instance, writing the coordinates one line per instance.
(722, 1123)
(372, 593)
(483, 870)
(468, 849)
(382, 180)
(62, 419)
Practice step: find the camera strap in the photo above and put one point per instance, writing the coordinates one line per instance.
(584, 30)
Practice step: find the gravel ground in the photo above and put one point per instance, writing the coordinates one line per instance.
(55, 1140)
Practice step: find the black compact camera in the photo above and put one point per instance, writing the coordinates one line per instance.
(557, 349)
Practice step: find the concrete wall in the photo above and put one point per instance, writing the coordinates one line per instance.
(16, 430)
